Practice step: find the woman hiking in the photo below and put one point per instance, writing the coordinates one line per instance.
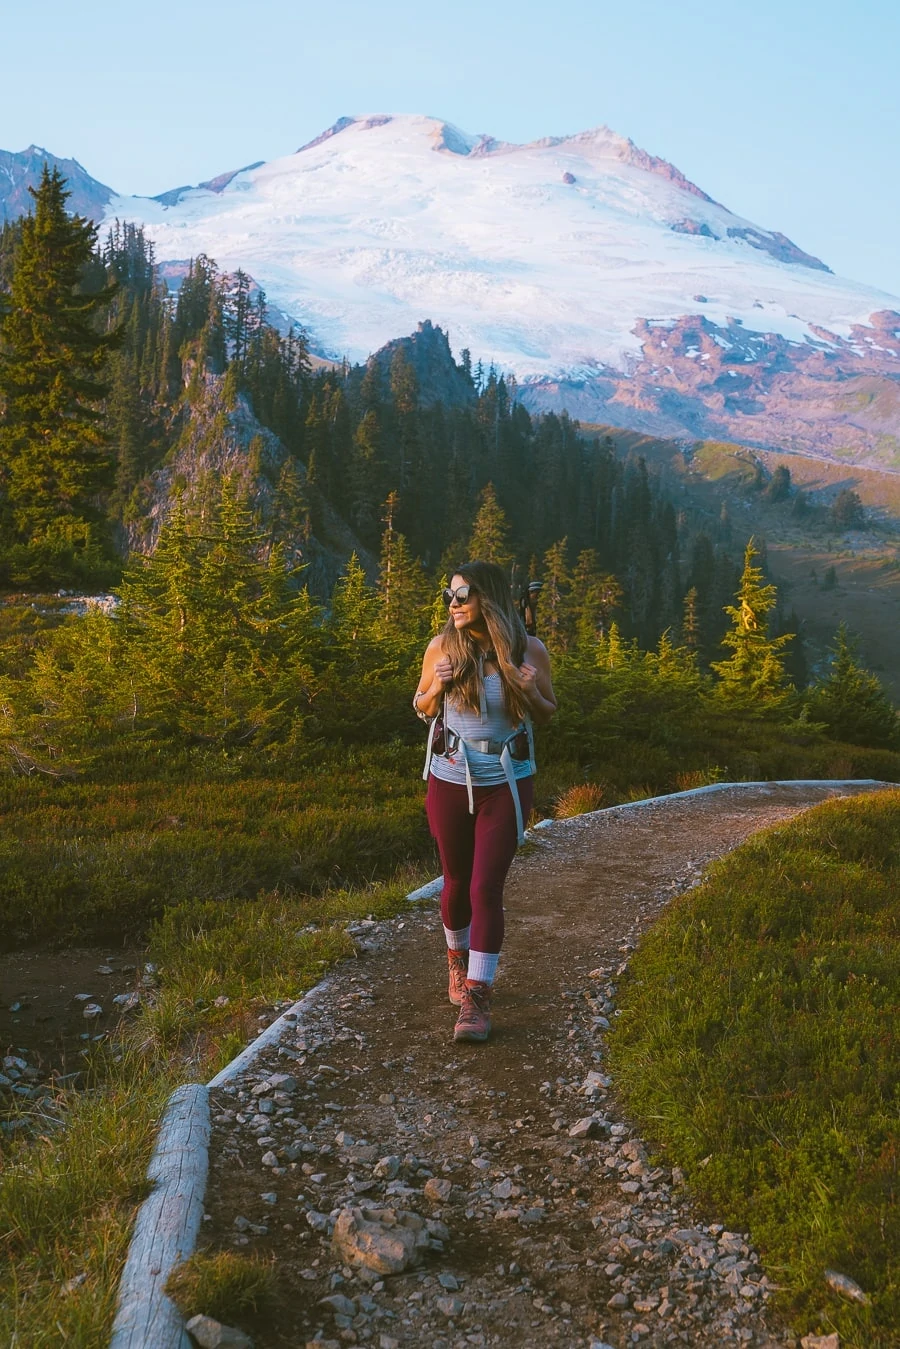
(484, 681)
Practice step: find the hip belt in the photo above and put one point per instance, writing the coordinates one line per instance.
(517, 746)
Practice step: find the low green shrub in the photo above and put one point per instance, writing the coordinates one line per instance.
(759, 1042)
(82, 860)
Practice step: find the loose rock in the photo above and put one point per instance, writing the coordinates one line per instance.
(210, 1334)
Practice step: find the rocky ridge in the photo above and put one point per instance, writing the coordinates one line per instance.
(835, 398)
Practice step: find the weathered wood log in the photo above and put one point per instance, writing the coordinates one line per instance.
(166, 1227)
(288, 1020)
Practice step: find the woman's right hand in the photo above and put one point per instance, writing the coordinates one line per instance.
(443, 672)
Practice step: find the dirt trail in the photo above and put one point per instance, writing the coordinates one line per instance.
(538, 1235)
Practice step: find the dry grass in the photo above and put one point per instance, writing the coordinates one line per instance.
(578, 800)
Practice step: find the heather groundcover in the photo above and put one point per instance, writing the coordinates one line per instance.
(87, 859)
(759, 1042)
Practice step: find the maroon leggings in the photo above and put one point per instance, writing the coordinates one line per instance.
(476, 853)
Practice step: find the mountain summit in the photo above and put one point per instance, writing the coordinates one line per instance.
(541, 257)
(596, 272)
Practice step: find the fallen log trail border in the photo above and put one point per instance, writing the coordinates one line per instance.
(169, 1220)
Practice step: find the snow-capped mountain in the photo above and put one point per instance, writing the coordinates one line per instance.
(596, 273)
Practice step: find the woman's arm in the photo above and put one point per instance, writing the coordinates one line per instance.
(436, 678)
(536, 683)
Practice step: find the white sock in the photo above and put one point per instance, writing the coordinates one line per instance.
(482, 967)
(457, 941)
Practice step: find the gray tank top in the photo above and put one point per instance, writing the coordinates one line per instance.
(494, 724)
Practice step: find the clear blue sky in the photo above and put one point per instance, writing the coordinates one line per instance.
(787, 111)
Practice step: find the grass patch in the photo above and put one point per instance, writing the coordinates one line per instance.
(68, 1196)
(224, 1286)
(758, 1042)
(70, 1187)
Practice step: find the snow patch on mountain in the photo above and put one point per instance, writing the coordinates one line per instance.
(542, 257)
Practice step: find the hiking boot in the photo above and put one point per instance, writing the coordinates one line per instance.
(474, 1020)
(458, 963)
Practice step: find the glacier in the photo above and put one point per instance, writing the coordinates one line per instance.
(548, 259)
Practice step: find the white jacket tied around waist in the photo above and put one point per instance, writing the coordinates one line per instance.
(481, 755)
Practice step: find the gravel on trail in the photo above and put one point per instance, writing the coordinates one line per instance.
(415, 1192)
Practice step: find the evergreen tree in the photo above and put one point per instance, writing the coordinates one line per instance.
(690, 623)
(53, 358)
(366, 471)
(851, 702)
(554, 607)
(755, 672)
(489, 541)
(401, 582)
(847, 510)
(291, 522)
(779, 487)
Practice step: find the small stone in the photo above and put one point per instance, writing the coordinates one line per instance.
(503, 1189)
(388, 1342)
(319, 1222)
(618, 1301)
(270, 1197)
(269, 1159)
(387, 1168)
(210, 1334)
(282, 1082)
(847, 1287)
(386, 1098)
(372, 1245)
(449, 1282)
(104, 969)
(127, 1001)
(821, 1341)
(91, 1010)
(449, 1306)
(71, 1284)
(589, 1127)
(437, 1190)
(340, 1305)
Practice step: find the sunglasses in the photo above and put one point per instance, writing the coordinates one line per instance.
(460, 594)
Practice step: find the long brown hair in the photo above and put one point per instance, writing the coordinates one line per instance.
(506, 631)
